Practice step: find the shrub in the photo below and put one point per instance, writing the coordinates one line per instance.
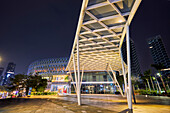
(44, 93)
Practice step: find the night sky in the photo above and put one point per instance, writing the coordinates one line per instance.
(37, 29)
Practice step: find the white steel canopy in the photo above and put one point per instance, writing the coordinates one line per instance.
(100, 34)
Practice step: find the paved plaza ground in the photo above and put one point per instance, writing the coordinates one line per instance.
(91, 104)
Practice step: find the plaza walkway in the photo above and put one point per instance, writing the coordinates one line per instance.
(90, 104)
(21, 105)
(117, 103)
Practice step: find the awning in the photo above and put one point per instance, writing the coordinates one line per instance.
(101, 31)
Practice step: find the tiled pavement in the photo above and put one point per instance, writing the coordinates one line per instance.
(91, 104)
(33, 106)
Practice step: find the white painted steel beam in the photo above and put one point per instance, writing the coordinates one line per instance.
(124, 74)
(129, 69)
(93, 48)
(81, 17)
(114, 75)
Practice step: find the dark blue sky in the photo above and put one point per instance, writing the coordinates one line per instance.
(37, 29)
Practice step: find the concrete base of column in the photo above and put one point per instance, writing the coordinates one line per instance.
(130, 111)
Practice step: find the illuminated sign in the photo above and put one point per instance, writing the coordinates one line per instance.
(60, 78)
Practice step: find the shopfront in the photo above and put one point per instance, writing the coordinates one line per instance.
(96, 83)
(61, 84)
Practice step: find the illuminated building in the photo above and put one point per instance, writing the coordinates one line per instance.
(9, 73)
(1, 74)
(159, 53)
(48, 67)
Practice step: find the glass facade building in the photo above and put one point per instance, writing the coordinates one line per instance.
(9, 73)
(135, 66)
(1, 75)
(96, 83)
(48, 67)
(159, 53)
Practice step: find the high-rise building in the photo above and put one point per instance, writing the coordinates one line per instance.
(1, 74)
(158, 52)
(9, 73)
(135, 66)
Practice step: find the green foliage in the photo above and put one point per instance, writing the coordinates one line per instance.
(18, 80)
(37, 83)
(147, 74)
(147, 92)
(158, 66)
(33, 90)
(67, 78)
(142, 92)
(40, 89)
(21, 80)
(44, 93)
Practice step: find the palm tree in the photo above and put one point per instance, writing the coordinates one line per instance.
(167, 81)
(147, 74)
(144, 80)
(158, 67)
(152, 83)
(158, 88)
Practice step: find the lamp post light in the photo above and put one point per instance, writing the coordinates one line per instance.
(159, 74)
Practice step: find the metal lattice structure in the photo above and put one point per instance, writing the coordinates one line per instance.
(100, 33)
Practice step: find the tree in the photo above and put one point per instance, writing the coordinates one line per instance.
(37, 83)
(144, 80)
(18, 81)
(167, 79)
(152, 83)
(42, 85)
(147, 74)
(25, 81)
(158, 67)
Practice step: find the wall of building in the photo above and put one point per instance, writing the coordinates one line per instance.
(48, 67)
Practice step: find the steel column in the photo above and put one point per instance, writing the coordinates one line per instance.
(82, 73)
(129, 69)
(78, 74)
(82, 13)
(114, 75)
(124, 74)
(75, 73)
(73, 81)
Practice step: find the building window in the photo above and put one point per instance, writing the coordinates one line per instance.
(94, 78)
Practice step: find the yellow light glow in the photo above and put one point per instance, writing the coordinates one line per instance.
(120, 21)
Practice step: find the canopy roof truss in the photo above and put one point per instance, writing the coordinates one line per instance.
(99, 36)
(100, 32)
